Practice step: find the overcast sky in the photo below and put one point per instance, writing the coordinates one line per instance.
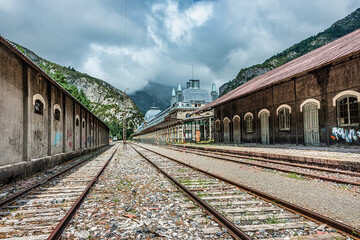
(164, 38)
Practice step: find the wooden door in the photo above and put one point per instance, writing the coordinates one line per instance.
(226, 130)
(264, 125)
(236, 131)
(311, 124)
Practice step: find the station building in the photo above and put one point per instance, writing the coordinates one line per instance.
(312, 100)
(175, 124)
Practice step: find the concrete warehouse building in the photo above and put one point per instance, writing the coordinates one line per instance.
(312, 100)
(41, 124)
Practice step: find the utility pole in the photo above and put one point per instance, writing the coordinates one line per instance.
(124, 118)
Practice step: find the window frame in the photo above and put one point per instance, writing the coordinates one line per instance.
(287, 119)
(77, 121)
(249, 128)
(39, 111)
(348, 96)
(57, 114)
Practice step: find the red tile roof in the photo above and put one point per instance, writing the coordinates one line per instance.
(331, 52)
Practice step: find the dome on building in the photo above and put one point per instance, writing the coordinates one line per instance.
(151, 113)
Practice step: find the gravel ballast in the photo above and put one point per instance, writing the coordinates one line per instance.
(132, 200)
(324, 198)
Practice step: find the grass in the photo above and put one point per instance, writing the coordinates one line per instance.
(272, 220)
(343, 186)
(295, 176)
(183, 170)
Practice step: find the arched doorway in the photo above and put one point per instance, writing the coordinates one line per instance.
(226, 130)
(311, 124)
(236, 129)
(264, 126)
(217, 131)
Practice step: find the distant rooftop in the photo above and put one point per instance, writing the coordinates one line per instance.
(151, 113)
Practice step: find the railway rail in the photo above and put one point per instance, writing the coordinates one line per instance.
(244, 211)
(306, 170)
(43, 210)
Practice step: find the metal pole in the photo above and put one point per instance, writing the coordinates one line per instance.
(124, 118)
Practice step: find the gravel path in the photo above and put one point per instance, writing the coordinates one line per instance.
(336, 153)
(332, 201)
(133, 201)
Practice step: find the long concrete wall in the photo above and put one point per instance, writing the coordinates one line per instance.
(32, 141)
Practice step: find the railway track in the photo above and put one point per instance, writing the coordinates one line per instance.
(306, 170)
(42, 211)
(246, 212)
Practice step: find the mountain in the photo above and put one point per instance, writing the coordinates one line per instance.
(152, 95)
(340, 28)
(101, 98)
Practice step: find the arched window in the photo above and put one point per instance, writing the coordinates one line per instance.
(77, 121)
(39, 107)
(284, 119)
(348, 111)
(57, 112)
(249, 122)
(83, 123)
(39, 104)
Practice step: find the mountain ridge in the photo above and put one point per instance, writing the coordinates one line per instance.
(100, 97)
(153, 94)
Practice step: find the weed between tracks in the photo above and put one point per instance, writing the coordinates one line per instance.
(294, 175)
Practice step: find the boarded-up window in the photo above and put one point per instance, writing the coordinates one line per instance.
(57, 114)
(39, 107)
(284, 119)
(348, 111)
(249, 123)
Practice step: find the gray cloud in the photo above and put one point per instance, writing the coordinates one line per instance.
(164, 37)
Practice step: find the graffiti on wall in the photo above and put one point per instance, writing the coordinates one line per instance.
(349, 135)
(57, 138)
(69, 138)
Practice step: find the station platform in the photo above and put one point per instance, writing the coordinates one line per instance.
(340, 157)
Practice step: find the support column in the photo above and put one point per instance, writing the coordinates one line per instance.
(50, 116)
(210, 132)
(63, 108)
(25, 112)
(81, 128)
(204, 130)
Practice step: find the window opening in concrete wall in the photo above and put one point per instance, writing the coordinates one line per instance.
(348, 111)
(249, 122)
(39, 107)
(57, 114)
(39, 104)
(77, 121)
(284, 119)
(83, 123)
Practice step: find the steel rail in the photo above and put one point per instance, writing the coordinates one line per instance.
(233, 230)
(281, 169)
(302, 165)
(341, 227)
(280, 157)
(21, 193)
(56, 233)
